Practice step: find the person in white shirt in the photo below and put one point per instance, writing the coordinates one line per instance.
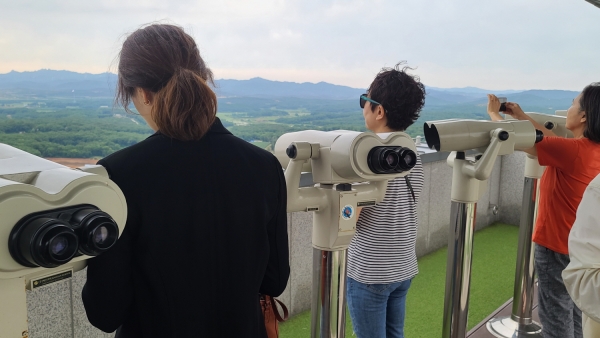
(582, 275)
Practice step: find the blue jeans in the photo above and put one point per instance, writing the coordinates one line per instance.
(377, 310)
(559, 316)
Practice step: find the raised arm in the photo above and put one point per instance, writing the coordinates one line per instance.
(516, 112)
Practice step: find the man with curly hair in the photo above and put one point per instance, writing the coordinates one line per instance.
(381, 257)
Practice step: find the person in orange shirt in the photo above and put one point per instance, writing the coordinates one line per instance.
(571, 164)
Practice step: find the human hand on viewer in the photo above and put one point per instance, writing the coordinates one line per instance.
(493, 108)
(515, 111)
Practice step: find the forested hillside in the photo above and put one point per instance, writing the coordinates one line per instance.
(65, 114)
(70, 132)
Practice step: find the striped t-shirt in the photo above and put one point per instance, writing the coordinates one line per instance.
(383, 249)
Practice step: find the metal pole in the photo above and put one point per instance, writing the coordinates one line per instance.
(329, 294)
(458, 269)
(520, 323)
(523, 295)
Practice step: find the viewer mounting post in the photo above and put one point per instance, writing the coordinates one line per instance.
(351, 170)
(520, 323)
(469, 180)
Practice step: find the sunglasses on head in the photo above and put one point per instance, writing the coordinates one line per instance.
(364, 98)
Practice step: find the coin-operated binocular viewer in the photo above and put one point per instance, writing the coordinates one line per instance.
(469, 180)
(520, 323)
(351, 170)
(53, 218)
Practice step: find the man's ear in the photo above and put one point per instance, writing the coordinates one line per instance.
(380, 113)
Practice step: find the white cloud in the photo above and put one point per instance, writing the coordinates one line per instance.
(455, 43)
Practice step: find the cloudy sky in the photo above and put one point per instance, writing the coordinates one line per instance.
(502, 44)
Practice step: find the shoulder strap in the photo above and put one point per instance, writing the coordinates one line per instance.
(412, 192)
(276, 310)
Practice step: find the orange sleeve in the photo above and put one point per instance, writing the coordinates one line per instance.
(557, 152)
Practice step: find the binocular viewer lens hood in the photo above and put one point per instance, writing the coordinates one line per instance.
(345, 156)
(53, 237)
(54, 216)
(462, 135)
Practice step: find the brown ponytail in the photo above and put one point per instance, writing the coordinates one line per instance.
(164, 60)
(185, 108)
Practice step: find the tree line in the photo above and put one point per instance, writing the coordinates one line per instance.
(50, 129)
(69, 132)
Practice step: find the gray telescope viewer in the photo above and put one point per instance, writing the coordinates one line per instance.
(53, 219)
(351, 170)
(520, 323)
(469, 179)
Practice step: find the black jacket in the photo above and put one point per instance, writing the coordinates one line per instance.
(206, 232)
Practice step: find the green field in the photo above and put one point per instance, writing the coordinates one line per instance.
(92, 127)
(494, 259)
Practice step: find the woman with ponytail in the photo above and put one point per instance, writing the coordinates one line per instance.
(206, 226)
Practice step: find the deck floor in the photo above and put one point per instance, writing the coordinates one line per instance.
(481, 331)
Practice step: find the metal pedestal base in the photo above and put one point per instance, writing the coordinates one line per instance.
(509, 327)
(328, 310)
(458, 269)
(506, 327)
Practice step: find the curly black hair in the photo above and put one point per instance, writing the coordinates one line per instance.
(401, 95)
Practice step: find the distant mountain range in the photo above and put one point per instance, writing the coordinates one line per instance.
(54, 83)
(60, 83)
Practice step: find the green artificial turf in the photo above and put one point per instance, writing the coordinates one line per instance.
(492, 279)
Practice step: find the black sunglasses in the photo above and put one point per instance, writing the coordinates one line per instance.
(364, 98)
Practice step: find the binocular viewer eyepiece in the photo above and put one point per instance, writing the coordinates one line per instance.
(51, 238)
(385, 160)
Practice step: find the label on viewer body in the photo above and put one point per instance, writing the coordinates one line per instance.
(365, 203)
(46, 280)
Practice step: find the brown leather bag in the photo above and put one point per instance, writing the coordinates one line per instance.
(271, 314)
